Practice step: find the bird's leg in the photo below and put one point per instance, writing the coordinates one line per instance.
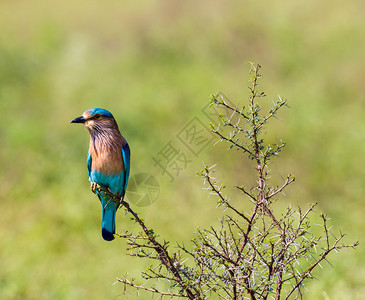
(93, 187)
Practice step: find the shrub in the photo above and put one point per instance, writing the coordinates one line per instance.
(260, 253)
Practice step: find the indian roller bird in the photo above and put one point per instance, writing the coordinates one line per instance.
(108, 163)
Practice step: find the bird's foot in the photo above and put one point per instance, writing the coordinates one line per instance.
(93, 187)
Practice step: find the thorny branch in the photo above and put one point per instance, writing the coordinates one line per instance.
(277, 248)
(162, 250)
(125, 281)
(327, 250)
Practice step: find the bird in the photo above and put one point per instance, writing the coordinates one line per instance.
(108, 163)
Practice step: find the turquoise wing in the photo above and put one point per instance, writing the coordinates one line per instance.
(89, 160)
(126, 153)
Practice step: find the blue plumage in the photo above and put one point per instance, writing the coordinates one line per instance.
(108, 162)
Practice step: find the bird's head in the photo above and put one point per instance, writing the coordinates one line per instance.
(96, 118)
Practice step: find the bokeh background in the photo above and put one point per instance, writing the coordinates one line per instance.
(154, 65)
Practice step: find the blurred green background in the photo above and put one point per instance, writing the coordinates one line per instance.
(154, 65)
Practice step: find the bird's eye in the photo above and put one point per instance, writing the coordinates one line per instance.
(97, 116)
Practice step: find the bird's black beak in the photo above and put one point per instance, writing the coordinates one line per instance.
(79, 120)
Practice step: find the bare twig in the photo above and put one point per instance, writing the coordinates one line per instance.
(125, 281)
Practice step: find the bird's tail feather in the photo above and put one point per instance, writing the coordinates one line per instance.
(108, 221)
